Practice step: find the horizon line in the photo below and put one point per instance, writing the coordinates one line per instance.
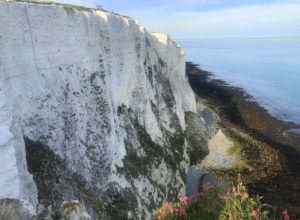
(236, 37)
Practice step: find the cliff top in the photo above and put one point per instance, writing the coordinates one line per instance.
(162, 38)
(67, 6)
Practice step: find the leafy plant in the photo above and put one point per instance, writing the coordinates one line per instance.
(212, 204)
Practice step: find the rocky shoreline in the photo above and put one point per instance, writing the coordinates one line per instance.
(270, 158)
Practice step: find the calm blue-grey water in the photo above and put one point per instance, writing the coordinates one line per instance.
(267, 68)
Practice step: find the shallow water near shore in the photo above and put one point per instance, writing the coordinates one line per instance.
(266, 68)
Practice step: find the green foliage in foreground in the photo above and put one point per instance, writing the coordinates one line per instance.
(211, 204)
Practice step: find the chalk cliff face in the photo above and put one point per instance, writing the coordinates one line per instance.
(94, 108)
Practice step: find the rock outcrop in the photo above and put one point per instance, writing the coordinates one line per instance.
(14, 209)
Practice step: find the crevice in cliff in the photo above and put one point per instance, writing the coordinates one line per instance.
(31, 38)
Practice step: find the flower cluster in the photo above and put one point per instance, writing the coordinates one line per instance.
(169, 210)
(212, 204)
(238, 204)
(285, 215)
(188, 207)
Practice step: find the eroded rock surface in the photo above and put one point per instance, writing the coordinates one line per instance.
(98, 103)
(13, 209)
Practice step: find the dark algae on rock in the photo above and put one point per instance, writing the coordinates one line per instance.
(272, 163)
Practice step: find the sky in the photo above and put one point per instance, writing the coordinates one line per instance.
(209, 18)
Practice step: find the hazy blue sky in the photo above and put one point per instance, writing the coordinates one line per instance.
(204, 18)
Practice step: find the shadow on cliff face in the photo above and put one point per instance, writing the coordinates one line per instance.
(57, 184)
(144, 157)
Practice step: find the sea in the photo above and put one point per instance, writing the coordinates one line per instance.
(268, 69)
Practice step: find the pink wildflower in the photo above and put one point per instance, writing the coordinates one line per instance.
(222, 197)
(255, 215)
(192, 199)
(234, 192)
(200, 195)
(285, 215)
(207, 185)
(181, 211)
(161, 213)
(183, 200)
(244, 196)
(170, 207)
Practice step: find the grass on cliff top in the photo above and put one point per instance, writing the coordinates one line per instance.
(70, 6)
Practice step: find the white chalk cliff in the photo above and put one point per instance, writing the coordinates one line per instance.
(92, 107)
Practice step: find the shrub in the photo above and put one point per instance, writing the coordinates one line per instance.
(212, 204)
